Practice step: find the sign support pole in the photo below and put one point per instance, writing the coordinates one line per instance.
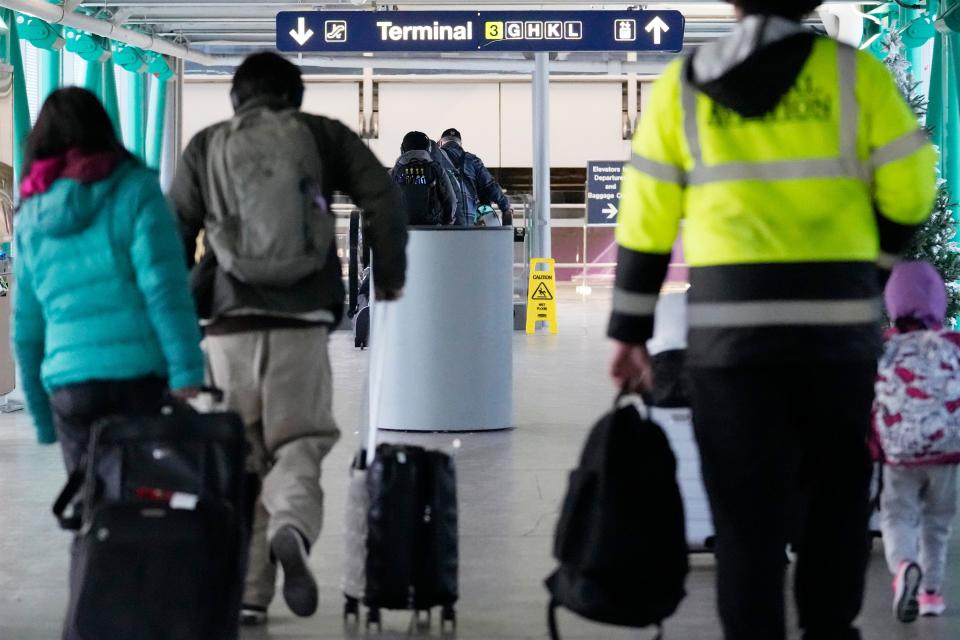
(540, 234)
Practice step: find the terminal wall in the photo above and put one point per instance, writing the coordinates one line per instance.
(495, 115)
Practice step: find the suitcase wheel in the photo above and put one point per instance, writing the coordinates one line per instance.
(373, 619)
(351, 608)
(448, 615)
(424, 618)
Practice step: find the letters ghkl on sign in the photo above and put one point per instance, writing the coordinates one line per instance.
(385, 31)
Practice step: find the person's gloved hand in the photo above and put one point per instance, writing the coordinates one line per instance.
(631, 367)
(388, 295)
(47, 436)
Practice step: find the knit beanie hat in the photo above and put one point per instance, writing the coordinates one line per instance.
(415, 140)
(916, 290)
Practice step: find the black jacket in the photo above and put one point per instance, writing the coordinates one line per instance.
(477, 184)
(349, 167)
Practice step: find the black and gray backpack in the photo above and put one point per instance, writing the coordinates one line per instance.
(621, 539)
(268, 223)
(417, 181)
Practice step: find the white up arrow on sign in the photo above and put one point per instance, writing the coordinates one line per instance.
(302, 33)
(658, 27)
(610, 210)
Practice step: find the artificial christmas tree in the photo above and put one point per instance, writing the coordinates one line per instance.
(935, 241)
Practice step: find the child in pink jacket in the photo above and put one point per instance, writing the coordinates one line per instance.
(917, 425)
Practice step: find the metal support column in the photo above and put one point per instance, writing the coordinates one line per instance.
(170, 151)
(50, 65)
(93, 78)
(134, 131)
(178, 120)
(540, 231)
(109, 96)
(21, 109)
(156, 121)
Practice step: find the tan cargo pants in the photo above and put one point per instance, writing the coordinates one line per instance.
(280, 383)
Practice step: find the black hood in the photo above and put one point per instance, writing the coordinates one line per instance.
(752, 69)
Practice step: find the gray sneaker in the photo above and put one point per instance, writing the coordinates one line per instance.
(252, 616)
(299, 586)
(906, 584)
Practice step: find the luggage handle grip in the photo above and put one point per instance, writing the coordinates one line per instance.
(73, 520)
(215, 393)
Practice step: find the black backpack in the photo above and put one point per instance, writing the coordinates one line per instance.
(418, 186)
(621, 538)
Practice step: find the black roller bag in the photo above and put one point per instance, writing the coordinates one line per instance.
(161, 547)
(401, 524)
(412, 556)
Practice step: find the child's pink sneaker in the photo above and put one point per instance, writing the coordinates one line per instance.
(931, 604)
(906, 584)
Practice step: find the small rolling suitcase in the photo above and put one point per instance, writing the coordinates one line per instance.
(361, 328)
(670, 408)
(401, 540)
(162, 534)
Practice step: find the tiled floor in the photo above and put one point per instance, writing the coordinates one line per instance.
(510, 487)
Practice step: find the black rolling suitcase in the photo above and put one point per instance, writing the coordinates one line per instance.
(401, 541)
(162, 526)
(361, 328)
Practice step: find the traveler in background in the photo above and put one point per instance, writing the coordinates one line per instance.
(267, 343)
(918, 429)
(798, 169)
(103, 320)
(427, 192)
(474, 184)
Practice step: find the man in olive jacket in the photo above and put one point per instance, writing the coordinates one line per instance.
(267, 346)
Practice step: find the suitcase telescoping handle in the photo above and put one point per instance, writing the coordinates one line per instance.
(215, 393)
(373, 400)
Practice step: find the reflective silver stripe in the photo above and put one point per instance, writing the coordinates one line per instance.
(779, 170)
(900, 148)
(887, 260)
(849, 107)
(634, 304)
(659, 170)
(688, 100)
(706, 315)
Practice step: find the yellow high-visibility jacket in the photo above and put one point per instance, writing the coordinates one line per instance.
(786, 216)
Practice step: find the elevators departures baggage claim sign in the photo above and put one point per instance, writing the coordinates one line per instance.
(479, 31)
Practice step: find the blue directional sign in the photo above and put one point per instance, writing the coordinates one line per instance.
(603, 192)
(395, 31)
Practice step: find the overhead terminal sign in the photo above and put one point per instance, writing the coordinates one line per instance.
(397, 31)
(603, 191)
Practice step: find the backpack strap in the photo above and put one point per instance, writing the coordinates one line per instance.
(552, 619)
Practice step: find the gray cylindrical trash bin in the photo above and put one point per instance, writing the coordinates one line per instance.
(447, 359)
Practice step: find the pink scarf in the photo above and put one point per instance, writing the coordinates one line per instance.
(75, 165)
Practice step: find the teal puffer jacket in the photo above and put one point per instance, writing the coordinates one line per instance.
(100, 289)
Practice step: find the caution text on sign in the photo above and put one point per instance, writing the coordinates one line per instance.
(542, 301)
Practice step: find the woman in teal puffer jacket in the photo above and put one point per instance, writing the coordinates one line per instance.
(103, 321)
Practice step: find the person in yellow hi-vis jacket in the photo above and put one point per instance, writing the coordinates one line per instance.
(799, 174)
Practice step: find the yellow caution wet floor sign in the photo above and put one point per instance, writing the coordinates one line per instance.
(542, 302)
